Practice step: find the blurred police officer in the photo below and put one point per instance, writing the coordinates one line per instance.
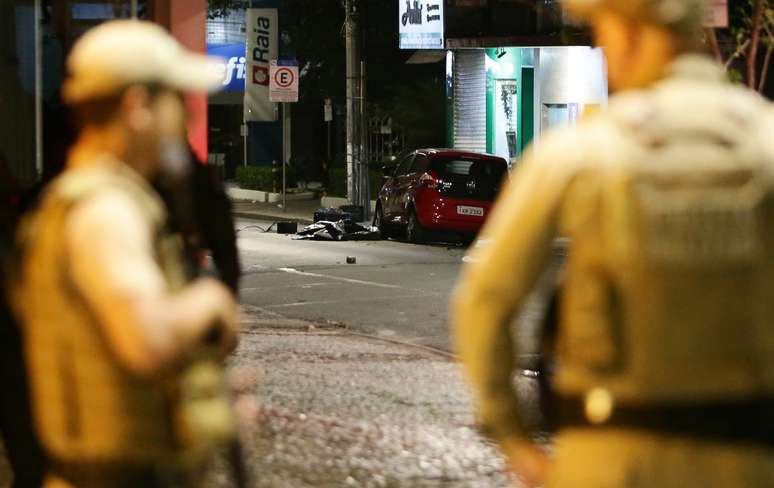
(108, 320)
(665, 347)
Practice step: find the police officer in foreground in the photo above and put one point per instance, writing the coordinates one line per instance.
(112, 331)
(665, 347)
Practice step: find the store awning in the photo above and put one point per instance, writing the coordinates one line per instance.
(427, 56)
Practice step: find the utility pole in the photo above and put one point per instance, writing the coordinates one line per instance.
(353, 97)
(364, 198)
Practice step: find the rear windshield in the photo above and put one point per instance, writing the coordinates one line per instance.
(470, 168)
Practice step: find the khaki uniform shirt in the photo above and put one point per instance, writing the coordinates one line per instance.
(655, 310)
(96, 244)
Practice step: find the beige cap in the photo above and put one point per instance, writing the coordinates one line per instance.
(119, 53)
(681, 15)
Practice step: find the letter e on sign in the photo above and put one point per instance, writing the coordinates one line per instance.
(283, 83)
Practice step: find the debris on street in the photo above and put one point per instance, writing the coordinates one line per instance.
(342, 230)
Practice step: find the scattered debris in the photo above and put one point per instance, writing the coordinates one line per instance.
(331, 215)
(287, 227)
(342, 230)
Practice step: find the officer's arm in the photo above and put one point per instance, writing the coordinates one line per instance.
(502, 273)
(111, 260)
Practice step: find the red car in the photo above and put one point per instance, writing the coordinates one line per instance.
(439, 190)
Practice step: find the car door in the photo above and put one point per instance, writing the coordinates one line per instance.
(398, 187)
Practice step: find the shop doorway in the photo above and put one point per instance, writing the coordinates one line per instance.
(506, 119)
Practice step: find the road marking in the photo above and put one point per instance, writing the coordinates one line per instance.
(346, 280)
(305, 286)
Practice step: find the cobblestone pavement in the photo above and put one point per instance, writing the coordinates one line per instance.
(335, 410)
(341, 410)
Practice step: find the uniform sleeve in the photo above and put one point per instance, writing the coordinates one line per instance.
(518, 240)
(111, 263)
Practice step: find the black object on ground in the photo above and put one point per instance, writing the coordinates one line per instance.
(287, 227)
(342, 230)
(351, 260)
(356, 211)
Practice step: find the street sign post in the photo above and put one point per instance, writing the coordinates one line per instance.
(328, 116)
(283, 88)
(328, 110)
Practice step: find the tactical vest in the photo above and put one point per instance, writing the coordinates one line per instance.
(668, 297)
(86, 407)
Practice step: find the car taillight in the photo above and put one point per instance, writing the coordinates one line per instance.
(430, 180)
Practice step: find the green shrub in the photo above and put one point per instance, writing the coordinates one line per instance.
(261, 178)
(255, 178)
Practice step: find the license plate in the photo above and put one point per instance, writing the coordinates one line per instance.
(473, 211)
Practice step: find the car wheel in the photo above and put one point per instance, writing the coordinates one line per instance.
(414, 231)
(379, 222)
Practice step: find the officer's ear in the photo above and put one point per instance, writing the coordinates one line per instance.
(136, 108)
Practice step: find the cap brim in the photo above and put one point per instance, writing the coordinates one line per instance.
(197, 73)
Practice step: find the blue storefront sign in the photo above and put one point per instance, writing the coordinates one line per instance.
(234, 54)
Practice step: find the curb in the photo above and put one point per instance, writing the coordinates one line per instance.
(271, 217)
(428, 349)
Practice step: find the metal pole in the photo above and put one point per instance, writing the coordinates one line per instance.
(365, 174)
(38, 17)
(134, 9)
(244, 137)
(286, 141)
(329, 140)
(328, 117)
(352, 96)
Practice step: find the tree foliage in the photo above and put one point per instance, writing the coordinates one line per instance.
(746, 48)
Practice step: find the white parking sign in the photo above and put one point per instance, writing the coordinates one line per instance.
(283, 82)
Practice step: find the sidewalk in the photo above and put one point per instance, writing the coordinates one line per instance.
(337, 409)
(301, 211)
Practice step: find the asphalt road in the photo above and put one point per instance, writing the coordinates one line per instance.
(396, 290)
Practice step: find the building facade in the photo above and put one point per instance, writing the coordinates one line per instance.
(513, 70)
(501, 99)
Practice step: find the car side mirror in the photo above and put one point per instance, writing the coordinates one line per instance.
(388, 170)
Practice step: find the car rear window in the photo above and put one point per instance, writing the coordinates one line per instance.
(470, 168)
